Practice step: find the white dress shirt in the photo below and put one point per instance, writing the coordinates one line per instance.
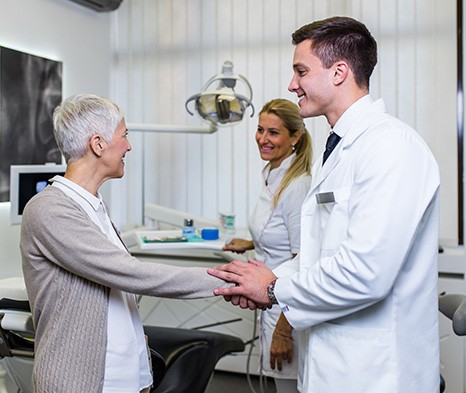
(127, 366)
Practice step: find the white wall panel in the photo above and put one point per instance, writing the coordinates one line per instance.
(178, 45)
(225, 161)
(240, 136)
(84, 47)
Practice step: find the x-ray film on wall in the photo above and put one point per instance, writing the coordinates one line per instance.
(30, 89)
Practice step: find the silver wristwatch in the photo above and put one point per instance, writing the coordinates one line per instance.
(270, 292)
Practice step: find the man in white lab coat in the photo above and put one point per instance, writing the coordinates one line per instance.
(364, 290)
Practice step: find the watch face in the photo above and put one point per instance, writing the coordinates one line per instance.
(270, 292)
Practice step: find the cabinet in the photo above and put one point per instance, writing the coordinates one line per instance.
(212, 314)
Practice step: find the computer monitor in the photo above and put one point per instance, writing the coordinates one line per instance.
(25, 182)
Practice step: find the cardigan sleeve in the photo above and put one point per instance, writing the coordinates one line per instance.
(56, 230)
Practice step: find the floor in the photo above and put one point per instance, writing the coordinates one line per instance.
(6, 386)
(222, 382)
(225, 382)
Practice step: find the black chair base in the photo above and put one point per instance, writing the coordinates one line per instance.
(190, 357)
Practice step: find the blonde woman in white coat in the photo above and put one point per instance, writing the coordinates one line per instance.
(274, 225)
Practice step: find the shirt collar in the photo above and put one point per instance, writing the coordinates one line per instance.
(345, 122)
(77, 191)
(272, 175)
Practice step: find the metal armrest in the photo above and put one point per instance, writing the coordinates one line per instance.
(16, 329)
(17, 321)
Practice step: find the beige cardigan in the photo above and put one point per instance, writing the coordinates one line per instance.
(69, 266)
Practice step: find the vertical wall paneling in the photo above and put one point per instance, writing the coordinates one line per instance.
(288, 24)
(442, 138)
(179, 45)
(271, 51)
(240, 135)
(167, 154)
(127, 191)
(320, 10)
(150, 101)
(460, 118)
(179, 155)
(136, 107)
(210, 66)
(436, 101)
(390, 54)
(193, 70)
(255, 58)
(225, 160)
(406, 82)
(303, 14)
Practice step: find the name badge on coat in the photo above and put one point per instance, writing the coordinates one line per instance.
(325, 197)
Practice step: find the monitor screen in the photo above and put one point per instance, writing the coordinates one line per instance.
(25, 182)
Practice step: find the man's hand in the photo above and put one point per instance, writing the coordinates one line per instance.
(251, 281)
(282, 344)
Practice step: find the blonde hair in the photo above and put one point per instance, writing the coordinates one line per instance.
(288, 112)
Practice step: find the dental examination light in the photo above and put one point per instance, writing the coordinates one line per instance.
(215, 105)
(222, 104)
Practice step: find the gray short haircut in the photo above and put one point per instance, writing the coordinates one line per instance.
(81, 116)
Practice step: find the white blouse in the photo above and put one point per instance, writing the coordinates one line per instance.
(275, 231)
(127, 367)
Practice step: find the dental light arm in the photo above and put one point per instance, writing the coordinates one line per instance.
(172, 128)
(220, 105)
(176, 217)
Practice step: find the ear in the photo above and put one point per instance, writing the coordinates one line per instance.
(296, 137)
(340, 72)
(97, 144)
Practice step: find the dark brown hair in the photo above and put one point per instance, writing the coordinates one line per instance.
(342, 38)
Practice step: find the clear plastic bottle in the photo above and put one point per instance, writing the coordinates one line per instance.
(188, 229)
(227, 227)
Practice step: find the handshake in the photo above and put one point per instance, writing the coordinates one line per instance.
(252, 279)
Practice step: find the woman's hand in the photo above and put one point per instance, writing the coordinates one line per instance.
(282, 344)
(239, 245)
(252, 279)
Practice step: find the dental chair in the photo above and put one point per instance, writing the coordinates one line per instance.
(453, 306)
(183, 360)
(190, 357)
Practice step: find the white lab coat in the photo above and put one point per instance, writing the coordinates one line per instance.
(276, 236)
(365, 297)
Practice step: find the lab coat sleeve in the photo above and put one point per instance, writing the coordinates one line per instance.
(287, 269)
(394, 181)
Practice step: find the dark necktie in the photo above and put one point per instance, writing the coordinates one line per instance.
(332, 141)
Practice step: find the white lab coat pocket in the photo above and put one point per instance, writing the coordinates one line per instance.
(350, 360)
(334, 218)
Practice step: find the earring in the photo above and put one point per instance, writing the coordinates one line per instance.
(293, 147)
